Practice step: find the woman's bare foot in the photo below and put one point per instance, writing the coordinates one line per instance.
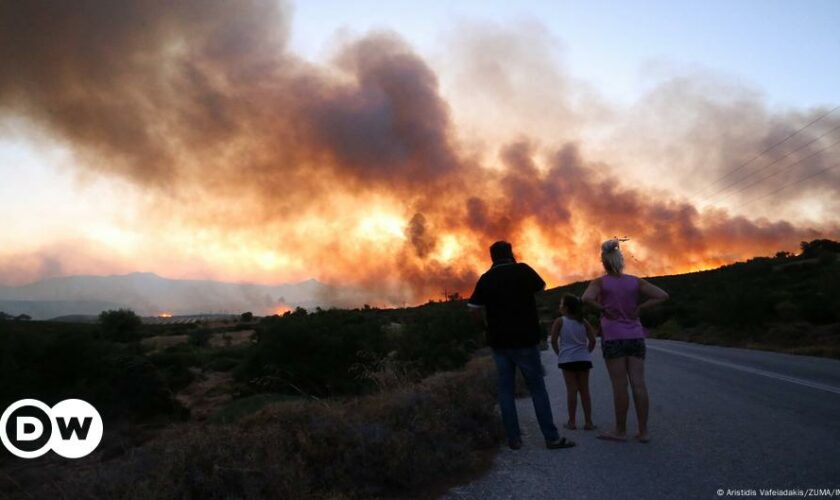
(613, 436)
(570, 426)
(589, 426)
(643, 438)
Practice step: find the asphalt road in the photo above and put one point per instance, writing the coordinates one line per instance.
(721, 419)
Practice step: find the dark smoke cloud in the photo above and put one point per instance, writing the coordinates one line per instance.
(202, 104)
(419, 236)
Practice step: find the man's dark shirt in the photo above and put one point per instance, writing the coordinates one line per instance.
(507, 293)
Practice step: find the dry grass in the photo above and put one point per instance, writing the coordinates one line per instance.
(161, 342)
(230, 339)
(205, 395)
(219, 339)
(410, 441)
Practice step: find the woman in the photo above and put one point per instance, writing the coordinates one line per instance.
(619, 297)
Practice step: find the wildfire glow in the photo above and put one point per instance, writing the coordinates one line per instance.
(376, 173)
(270, 260)
(381, 227)
(281, 310)
(448, 249)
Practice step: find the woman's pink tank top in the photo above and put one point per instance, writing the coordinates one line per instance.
(620, 297)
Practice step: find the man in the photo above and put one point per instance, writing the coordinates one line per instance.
(503, 302)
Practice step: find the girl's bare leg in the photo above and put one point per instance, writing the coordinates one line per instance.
(571, 396)
(585, 399)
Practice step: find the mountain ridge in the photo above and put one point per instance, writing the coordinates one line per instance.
(150, 294)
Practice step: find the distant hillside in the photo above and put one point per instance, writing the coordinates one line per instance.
(48, 309)
(149, 294)
(787, 303)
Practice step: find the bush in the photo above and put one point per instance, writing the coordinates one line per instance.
(668, 330)
(439, 337)
(818, 309)
(120, 325)
(327, 353)
(174, 365)
(827, 259)
(51, 362)
(199, 338)
(400, 442)
(312, 354)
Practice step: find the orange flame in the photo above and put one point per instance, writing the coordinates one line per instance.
(280, 310)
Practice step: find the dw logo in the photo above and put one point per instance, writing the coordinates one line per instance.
(72, 428)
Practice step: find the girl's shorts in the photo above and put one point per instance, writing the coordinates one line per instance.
(575, 366)
(623, 347)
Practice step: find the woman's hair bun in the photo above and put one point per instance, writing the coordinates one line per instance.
(609, 245)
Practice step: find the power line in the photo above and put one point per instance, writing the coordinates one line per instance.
(791, 184)
(762, 179)
(763, 152)
(769, 165)
(779, 171)
(759, 155)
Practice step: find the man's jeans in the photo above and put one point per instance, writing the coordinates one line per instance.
(528, 361)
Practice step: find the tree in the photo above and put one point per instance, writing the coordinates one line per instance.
(805, 247)
(121, 325)
(816, 247)
(246, 317)
(199, 338)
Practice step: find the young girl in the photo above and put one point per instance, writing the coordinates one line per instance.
(577, 340)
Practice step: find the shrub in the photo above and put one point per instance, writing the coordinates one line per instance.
(51, 362)
(827, 259)
(398, 442)
(326, 353)
(786, 310)
(438, 337)
(174, 365)
(199, 338)
(818, 308)
(311, 354)
(668, 330)
(120, 325)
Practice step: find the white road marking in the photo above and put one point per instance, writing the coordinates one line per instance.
(754, 371)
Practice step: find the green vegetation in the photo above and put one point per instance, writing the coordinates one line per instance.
(335, 352)
(199, 338)
(414, 440)
(120, 325)
(322, 403)
(784, 303)
(55, 361)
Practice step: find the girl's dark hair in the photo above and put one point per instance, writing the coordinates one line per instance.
(573, 304)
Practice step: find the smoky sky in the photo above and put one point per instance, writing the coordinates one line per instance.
(206, 96)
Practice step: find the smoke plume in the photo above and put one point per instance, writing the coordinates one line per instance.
(360, 171)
